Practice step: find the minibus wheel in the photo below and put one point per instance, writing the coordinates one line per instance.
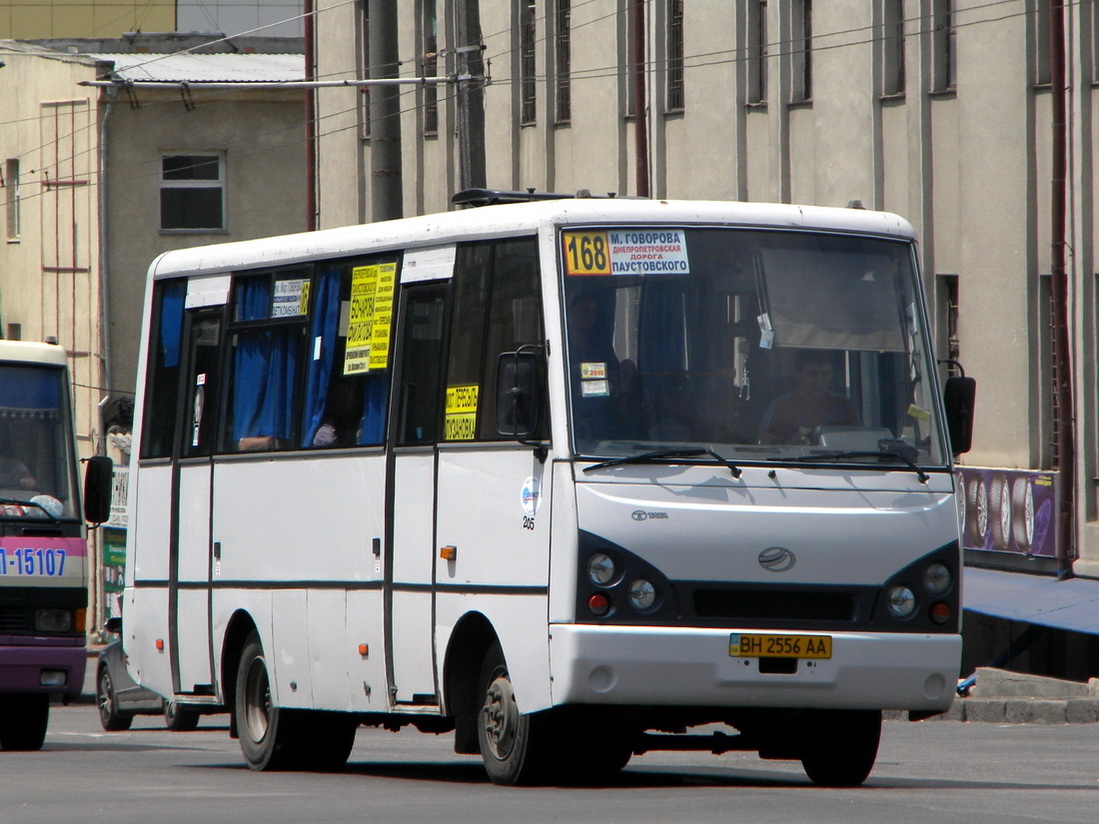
(515, 748)
(840, 746)
(23, 721)
(109, 716)
(266, 732)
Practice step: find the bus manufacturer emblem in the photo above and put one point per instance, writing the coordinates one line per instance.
(777, 559)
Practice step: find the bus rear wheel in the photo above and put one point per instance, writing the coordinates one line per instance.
(275, 738)
(515, 748)
(23, 721)
(266, 732)
(841, 746)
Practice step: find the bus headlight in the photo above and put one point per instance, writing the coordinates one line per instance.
(642, 595)
(902, 602)
(53, 620)
(937, 579)
(601, 569)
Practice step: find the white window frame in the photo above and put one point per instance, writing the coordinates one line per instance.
(219, 184)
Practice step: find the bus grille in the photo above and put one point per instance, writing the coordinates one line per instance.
(13, 619)
(748, 605)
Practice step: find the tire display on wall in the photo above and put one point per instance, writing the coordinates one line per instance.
(999, 514)
(1022, 514)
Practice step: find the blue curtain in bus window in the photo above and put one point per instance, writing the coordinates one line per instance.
(171, 322)
(326, 319)
(373, 430)
(264, 370)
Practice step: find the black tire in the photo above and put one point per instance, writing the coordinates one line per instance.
(840, 746)
(109, 717)
(178, 718)
(515, 748)
(23, 722)
(266, 732)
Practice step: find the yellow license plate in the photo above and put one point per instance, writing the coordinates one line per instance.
(745, 645)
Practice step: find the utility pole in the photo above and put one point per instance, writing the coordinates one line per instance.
(386, 192)
(471, 107)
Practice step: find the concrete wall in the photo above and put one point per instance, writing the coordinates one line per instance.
(262, 136)
(23, 20)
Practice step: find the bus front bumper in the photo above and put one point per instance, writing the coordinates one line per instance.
(42, 665)
(671, 666)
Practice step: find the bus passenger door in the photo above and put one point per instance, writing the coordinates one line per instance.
(410, 504)
(189, 583)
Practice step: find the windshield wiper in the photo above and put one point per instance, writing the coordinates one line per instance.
(17, 502)
(667, 454)
(882, 453)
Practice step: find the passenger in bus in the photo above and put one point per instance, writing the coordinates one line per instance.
(793, 417)
(13, 472)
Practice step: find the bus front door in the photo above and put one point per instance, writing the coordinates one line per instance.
(410, 550)
(189, 584)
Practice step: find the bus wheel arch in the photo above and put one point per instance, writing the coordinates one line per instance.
(241, 626)
(471, 640)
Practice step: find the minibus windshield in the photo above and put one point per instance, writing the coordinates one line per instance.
(759, 345)
(35, 443)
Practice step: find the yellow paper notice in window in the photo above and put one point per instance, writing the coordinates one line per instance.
(385, 281)
(364, 281)
(460, 423)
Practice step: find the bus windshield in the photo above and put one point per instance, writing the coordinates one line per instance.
(36, 460)
(758, 345)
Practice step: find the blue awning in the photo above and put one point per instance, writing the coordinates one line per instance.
(1071, 604)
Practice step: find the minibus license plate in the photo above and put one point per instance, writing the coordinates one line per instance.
(743, 645)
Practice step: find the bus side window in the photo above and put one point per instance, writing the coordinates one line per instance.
(344, 392)
(162, 399)
(265, 361)
(497, 308)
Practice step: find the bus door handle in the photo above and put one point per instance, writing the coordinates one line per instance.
(217, 550)
(377, 545)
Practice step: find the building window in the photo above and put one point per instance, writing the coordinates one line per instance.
(757, 51)
(11, 186)
(675, 97)
(943, 64)
(527, 79)
(562, 50)
(633, 67)
(893, 54)
(1040, 67)
(430, 67)
(192, 192)
(801, 51)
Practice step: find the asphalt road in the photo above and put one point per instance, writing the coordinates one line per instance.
(937, 771)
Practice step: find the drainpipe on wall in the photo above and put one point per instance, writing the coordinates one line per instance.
(1065, 450)
(104, 287)
(310, 122)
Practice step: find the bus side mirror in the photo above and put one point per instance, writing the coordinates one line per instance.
(959, 396)
(98, 480)
(518, 393)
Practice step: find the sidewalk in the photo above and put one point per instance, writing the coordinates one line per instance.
(1005, 697)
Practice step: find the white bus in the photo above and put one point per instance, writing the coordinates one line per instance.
(565, 477)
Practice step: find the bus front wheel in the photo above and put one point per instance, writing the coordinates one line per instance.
(23, 721)
(266, 732)
(841, 746)
(514, 747)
